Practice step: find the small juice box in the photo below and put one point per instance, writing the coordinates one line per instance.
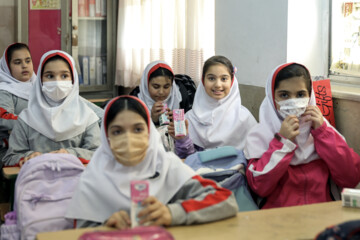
(139, 192)
(350, 197)
(179, 122)
(163, 119)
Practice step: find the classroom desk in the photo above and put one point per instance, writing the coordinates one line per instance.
(301, 222)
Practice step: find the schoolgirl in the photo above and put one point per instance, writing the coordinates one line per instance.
(157, 86)
(294, 152)
(16, 79)
(57, 119)
(217, 117)
(131, 149)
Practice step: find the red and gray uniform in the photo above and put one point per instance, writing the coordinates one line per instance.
(272, 177)
(199, 200)
(10, 107)
(25, 140)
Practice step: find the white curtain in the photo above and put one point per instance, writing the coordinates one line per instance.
(180, 32)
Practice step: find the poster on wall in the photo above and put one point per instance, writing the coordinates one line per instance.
(323, 96)
(44, 4)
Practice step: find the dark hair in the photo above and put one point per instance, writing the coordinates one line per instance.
(216, 60)
(125, 103)
(14, 47)
(293, 70)
(55, 58)
(161, 72)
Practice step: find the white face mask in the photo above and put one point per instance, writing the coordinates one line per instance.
(293, 106)
(57, 90)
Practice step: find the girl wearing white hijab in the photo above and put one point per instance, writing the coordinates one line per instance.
(57, 119)
(157, 86)
(131, 149)
(16, 80)
(217, 117)
(293, 152)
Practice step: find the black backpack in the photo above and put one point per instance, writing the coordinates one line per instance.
(345, 230)
(187, 89)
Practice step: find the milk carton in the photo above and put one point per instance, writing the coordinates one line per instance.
(350, 197)
(179, 122)
(163, 119)
(139, 192)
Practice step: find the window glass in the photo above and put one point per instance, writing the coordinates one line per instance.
(345, 38)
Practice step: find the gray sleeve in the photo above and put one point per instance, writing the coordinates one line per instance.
(7, 111)
(201, 200)
(86, 224)
(98, 110)
(18, 144)
(90, 142)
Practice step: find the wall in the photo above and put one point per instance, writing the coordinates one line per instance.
(258, 35)
(7, 24)
(252, 34)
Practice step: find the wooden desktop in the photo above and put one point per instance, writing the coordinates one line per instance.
(300, 222)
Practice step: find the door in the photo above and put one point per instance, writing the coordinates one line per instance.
(44, 28)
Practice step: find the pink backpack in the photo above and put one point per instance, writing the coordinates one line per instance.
(144, 233)
(43, 190)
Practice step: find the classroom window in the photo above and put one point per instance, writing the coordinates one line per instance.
(345, 40)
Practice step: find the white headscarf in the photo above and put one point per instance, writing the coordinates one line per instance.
(174, 98)
(224, 122)
(11, 84)
(270, 122)
(104, 187)
(58, 121)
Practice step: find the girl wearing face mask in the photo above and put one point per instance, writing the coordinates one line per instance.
(57, 120)
(217, 117)
(16, 79)
(294, 152)
(131, 149)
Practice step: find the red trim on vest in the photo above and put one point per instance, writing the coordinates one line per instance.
(4, 114)
(83, 160)
(220, 195)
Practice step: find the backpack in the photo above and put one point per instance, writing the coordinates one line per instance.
(142, 232)
(43, 189)
(187, 89)
(226, 166)
(345, 230)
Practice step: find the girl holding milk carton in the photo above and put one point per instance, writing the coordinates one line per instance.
(130, 174)
(160, 92)
(217, 117)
